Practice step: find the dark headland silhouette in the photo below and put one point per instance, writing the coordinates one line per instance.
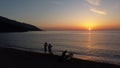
(8, 25)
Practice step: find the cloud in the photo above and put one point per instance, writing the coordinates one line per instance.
(57, 3)
(94, 2)
(98, 11)
(95, 6)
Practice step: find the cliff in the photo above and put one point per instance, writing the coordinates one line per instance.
(8, 25)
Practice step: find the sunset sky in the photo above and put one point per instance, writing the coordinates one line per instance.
(64, 14)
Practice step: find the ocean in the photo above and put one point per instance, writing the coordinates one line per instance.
(99, 46)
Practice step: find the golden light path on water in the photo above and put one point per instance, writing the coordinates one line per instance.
(89, 46)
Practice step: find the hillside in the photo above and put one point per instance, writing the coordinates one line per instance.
(8, 25)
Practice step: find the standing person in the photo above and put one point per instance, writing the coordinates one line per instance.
(50, 49)
(45, 47)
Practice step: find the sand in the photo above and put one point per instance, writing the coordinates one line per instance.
(13, 58)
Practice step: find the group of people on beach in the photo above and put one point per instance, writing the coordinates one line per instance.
(47, 47)
(65, 54)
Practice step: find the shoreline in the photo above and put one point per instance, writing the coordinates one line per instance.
(76, 56)
(14, 58)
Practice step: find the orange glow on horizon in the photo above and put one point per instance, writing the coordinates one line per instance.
(88, 26)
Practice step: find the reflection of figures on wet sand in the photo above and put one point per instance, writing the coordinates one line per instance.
(48, 47)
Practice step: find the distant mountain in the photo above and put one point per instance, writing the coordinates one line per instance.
(8, 25)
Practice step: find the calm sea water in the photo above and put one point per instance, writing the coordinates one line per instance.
(100, 46)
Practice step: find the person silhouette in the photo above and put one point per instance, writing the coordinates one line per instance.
(50, 49)
(69, 56)
(64, 54)
(45, 47)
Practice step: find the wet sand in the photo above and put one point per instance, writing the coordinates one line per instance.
(13, 58)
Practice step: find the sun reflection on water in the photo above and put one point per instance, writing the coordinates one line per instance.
(89, 40)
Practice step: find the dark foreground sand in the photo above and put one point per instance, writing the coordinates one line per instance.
(12, 58)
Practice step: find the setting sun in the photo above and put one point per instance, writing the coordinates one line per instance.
(89, 29)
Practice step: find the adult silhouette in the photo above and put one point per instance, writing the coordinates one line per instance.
(45, 47)
(50, 49)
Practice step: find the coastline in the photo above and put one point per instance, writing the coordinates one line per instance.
(14, 58)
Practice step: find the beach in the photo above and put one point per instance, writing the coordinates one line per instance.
(14, 58)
